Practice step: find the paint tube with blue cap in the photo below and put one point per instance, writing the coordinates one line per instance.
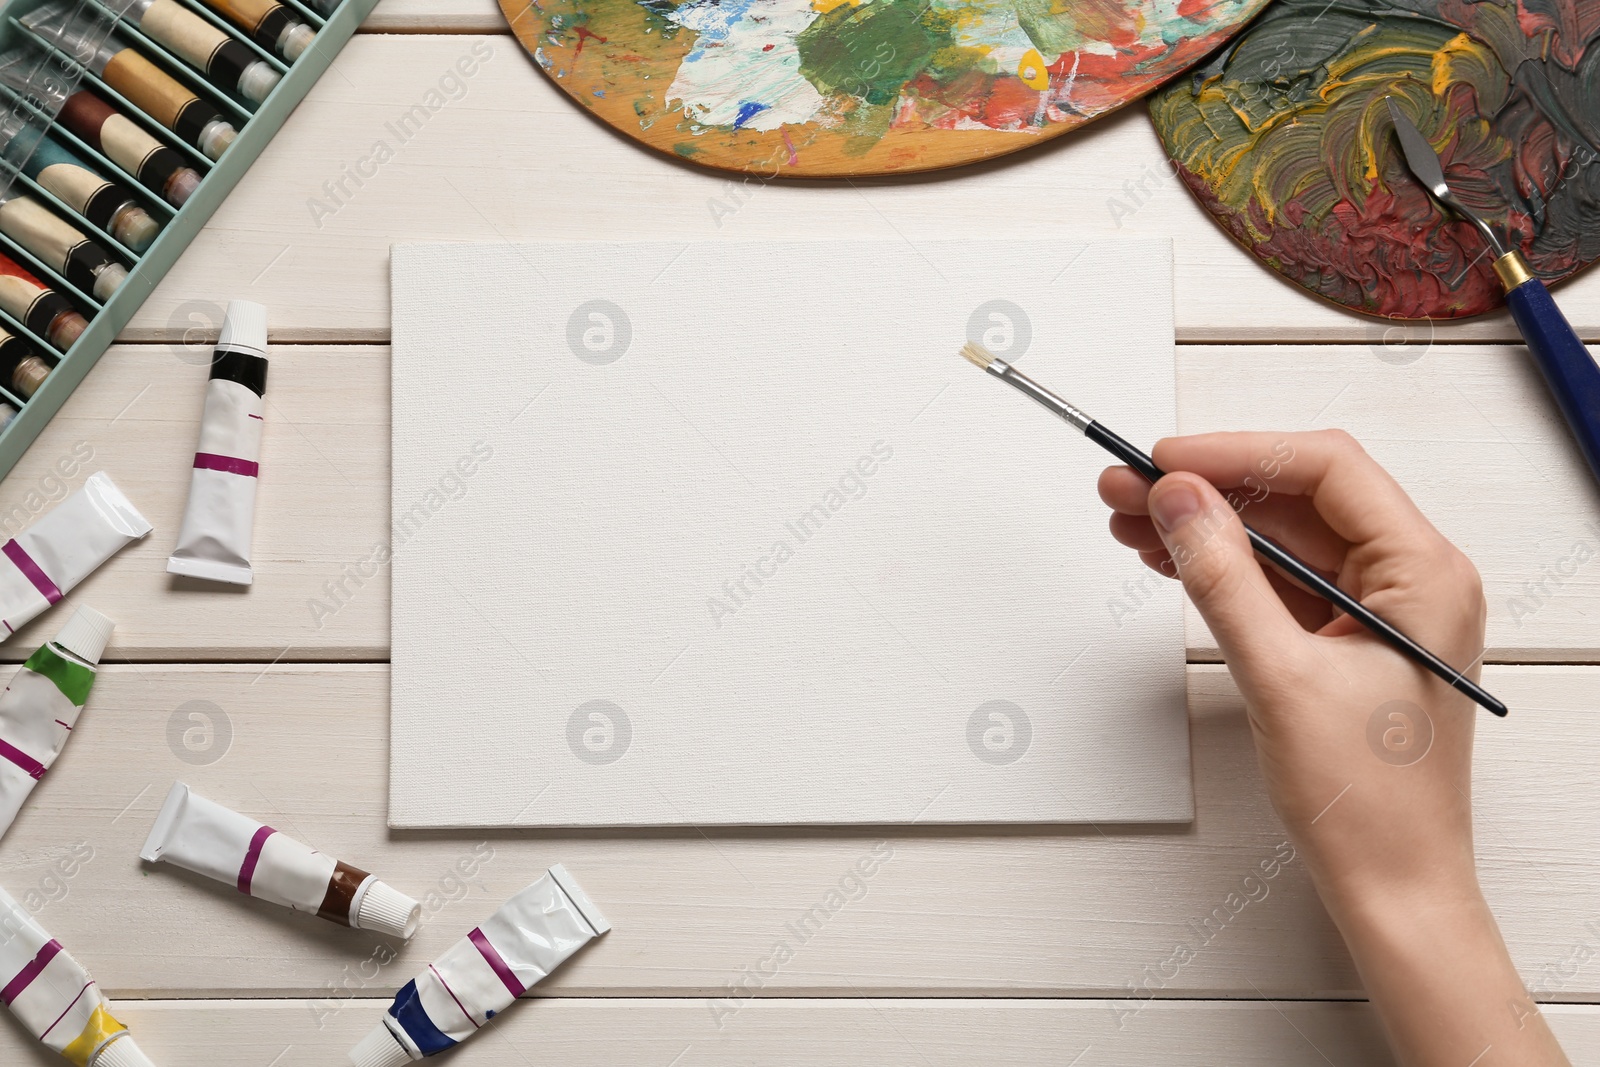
(52, 995)
(214, 541)
(47, 560)
(40, 707)
(484, 972)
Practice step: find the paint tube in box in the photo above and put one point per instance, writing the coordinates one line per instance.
(41, 705)
(158, 167)
(128, 72)
(55, 998)
(269, 24)
(483, 973)
(75, 183)
(61, 246)
(225, 61)
(37, 306)
(201, 835)
(20, 368)
(47, 560)
(214, 542)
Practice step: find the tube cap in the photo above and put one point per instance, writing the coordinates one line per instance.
(123, 1052)
(215, 138)
(379, 1049)
(85, 634)
(134, 227)
(181, 186)
(257, 81)
(386, 910)
(108, 279)
(244, 328)
(295, 40)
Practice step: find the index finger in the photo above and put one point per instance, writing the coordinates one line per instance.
(1359, 500)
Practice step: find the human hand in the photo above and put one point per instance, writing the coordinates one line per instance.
(1367, 756)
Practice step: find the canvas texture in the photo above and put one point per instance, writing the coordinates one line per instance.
(729, 533)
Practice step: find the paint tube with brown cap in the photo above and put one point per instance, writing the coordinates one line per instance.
(201, 835)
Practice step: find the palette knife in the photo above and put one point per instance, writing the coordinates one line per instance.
(1572, 374)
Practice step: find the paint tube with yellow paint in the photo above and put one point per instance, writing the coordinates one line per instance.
(52, 995)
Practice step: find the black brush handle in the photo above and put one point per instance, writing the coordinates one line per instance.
(1301, 572)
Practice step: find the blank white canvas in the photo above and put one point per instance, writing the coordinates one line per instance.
(729, 533)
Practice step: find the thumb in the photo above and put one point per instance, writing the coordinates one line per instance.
(1218, 568)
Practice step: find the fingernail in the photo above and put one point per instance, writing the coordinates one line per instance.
(1174, 506)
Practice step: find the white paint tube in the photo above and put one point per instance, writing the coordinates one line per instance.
(52, 995)
(484, 972)
(41, 705)
(201, 835)
(48, 559)
(214, 542)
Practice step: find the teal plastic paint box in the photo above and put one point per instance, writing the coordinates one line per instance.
(70, 64)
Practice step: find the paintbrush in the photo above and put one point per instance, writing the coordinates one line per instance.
(1265, 547)
(1572, 374)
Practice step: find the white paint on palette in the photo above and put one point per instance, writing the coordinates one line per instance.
(744, 70)
(728, 533)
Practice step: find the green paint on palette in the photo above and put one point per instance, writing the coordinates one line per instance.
(685, 150)
(870, 51)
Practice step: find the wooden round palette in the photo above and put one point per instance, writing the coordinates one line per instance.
(817, 88)
(1286, 140)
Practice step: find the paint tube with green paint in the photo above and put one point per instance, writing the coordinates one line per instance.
(40, 706)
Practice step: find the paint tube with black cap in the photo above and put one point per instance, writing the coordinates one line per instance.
(270, 23)
(47, 560)
(201, 835)
(52, 995)
(41, 705)
(75, 183)
(105, 129)
(214, 542)
(20, 369)
(127, 71)
(224, 60)
(37, 306)
(485, 972)
(61, 245)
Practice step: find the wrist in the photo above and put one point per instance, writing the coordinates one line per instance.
(1402, 914)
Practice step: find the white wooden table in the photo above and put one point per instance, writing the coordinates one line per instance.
(978, 946)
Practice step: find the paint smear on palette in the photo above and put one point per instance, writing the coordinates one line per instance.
(1285, 138)
(846, 87)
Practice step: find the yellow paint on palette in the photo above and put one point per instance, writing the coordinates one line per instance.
(100, 1028)
(1032, 70)
(825, 6)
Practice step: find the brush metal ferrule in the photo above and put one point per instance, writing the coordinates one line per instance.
(1016, 379)
(1512, 270)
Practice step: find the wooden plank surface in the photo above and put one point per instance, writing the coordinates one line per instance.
(1466, 428)
(1013, 918)
(435, 16)
(502, 154)
(1078, 911)
(794, 1033)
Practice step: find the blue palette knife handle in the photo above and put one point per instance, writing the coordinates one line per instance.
(1572, 374)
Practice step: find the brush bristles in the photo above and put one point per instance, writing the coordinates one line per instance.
(977, 355)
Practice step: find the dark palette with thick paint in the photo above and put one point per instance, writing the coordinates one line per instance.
(1285, 138)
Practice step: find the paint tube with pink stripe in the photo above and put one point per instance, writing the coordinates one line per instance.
(214, 542)
(41, 705)
(484, 972)
(47, 560)
(54, 997)
(201, 835)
